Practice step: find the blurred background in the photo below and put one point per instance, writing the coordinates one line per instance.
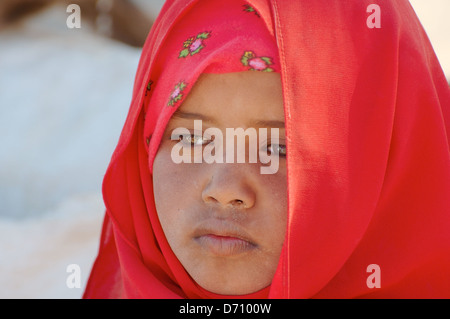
(64, 96)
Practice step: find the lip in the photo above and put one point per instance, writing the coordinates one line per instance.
(224, 239)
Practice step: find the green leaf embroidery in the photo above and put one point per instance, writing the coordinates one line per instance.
(184, 53)
(248, 8)
(149, 87)
(203, 35)
(247, 56)
(267, 60)
(178, 97)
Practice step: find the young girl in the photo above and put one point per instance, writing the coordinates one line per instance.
(358, 205)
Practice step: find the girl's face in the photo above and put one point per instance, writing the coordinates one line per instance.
(225, 222)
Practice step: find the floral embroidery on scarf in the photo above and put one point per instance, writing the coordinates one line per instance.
(149, 87)
(176, 94)
(193, 45)
(256, 63)
(249, 8)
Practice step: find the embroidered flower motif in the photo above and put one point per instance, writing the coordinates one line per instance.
(176, 94)
(193, 45)
(256, 63)
(249, 8)
(149, 87)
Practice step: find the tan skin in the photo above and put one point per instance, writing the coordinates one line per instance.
(225, 222)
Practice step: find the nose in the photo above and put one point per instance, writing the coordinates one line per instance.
(230, 187)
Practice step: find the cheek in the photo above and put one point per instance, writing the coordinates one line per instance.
(166, 189)
(162, 177)
(275, 207)
(173, 182)
(174, 190)
(274, 187)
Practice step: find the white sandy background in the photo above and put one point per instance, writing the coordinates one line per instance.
(64, 95)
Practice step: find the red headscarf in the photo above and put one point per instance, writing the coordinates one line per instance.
(367, 115)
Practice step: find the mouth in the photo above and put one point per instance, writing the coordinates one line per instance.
(223, 239)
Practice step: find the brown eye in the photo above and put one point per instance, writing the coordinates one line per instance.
(194, 140)
(279, 149)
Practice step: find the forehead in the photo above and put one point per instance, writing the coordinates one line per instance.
(244, 96)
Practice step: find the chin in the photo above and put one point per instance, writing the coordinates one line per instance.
(219, 279)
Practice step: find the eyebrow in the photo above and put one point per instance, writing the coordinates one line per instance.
(197, 116)
(269, 123)
(192, 116)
